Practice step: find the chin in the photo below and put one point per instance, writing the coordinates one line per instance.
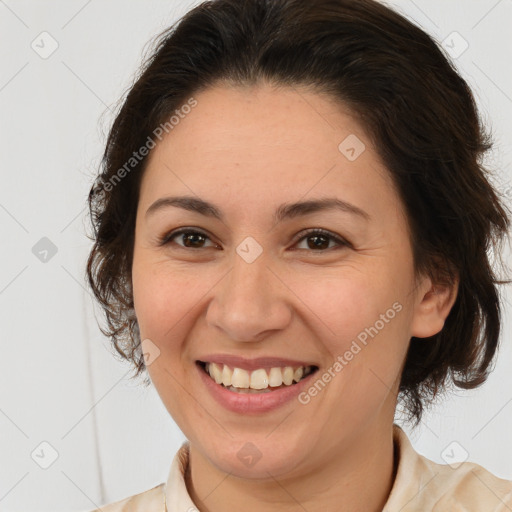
(261, 459)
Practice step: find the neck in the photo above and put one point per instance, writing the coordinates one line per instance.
(356, 477)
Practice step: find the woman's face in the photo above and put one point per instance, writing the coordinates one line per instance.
(254, 286)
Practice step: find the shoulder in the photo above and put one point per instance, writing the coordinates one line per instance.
(151, 500)
(422, 484)
(467, 487)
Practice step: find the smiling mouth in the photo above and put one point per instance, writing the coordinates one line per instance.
(261, 380)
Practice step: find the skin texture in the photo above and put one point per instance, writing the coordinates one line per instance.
(247, 150)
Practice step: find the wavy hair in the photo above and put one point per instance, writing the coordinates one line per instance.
(418, 111)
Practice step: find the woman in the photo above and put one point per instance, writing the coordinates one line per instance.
(291, 234)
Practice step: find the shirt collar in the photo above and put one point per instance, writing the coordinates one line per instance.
(175, 491)
(413, 473)
(411, 476)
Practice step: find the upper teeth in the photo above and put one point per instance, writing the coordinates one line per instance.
(257, 379)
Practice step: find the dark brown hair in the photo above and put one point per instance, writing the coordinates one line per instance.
(418, 111)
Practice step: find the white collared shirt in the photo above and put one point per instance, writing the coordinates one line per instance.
(421, 485)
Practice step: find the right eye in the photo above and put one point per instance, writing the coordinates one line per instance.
(189, 237)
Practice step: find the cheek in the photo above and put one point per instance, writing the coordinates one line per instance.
(362, 324)
(342, 305)
(161, 298)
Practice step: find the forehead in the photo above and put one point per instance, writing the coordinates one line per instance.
(277, 118)
(245, 143)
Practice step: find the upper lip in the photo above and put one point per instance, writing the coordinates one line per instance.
(253, 363)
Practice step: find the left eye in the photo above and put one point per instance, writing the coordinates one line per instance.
(320, 238)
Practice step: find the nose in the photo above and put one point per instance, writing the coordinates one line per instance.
(250, 302)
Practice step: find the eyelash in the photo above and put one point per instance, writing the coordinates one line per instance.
(168, 238)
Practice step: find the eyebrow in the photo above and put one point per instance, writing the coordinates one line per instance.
(283, 211)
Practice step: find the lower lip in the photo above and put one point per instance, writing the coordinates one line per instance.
(252, 402)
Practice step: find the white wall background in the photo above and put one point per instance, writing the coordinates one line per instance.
(59, 382)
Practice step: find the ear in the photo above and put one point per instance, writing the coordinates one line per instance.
(432, 305)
